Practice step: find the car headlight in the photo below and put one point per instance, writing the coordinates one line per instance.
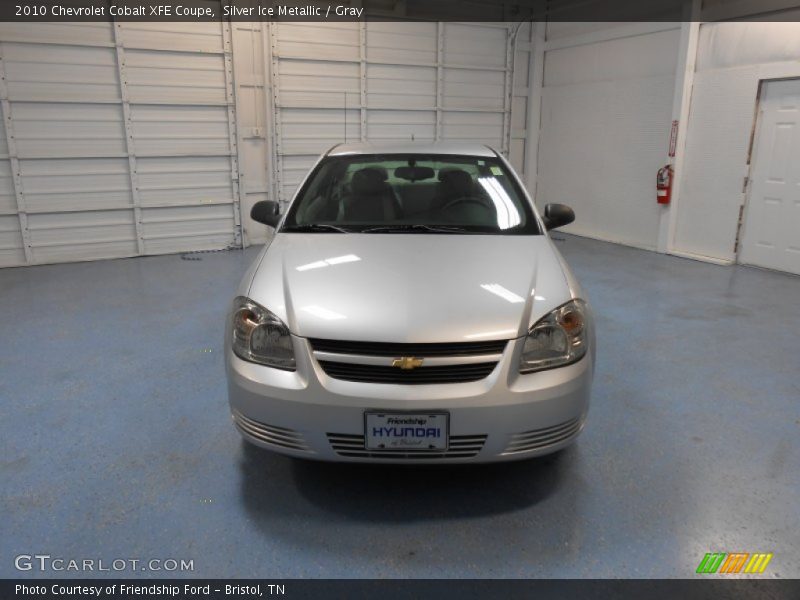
(559, 338)
(261, 337)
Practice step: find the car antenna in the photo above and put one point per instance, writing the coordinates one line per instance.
(344, 104)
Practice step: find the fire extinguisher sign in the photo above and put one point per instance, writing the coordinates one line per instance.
(673, 139)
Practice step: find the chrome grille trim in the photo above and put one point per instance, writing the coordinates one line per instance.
(419, 376)
(459, 446)
(408, 349)
(270, 434)
(386, 361)
(541, 438)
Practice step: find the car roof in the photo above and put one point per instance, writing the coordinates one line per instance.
(411, 147)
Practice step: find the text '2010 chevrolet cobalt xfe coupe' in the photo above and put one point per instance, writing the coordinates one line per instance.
(410, 307)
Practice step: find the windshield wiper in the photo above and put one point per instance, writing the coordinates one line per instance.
(316, 227)
(415, 228)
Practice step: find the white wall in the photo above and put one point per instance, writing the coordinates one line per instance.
(732, 58)
(606, 116)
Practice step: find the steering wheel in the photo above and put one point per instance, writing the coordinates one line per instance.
(482, 202)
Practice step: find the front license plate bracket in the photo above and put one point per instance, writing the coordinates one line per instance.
(406, 432)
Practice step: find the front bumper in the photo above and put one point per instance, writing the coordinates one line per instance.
(506, 416)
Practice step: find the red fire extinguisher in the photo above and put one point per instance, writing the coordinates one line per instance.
(664, 184)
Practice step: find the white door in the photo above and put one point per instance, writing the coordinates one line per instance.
(771, 236)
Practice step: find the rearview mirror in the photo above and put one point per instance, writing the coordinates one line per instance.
(266, 212)
(410, 173)
(557, 215)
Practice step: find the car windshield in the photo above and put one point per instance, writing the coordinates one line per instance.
(411, 193)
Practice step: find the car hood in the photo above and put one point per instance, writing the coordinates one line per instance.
(410, 287)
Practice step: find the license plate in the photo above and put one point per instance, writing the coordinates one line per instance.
(406, 431)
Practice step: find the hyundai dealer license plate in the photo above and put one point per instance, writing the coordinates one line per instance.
(406, 431)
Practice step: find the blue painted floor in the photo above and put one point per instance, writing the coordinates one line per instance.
(116, 440)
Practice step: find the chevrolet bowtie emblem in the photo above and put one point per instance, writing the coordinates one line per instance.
(407, 362)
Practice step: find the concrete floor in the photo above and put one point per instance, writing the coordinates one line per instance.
(116, 440)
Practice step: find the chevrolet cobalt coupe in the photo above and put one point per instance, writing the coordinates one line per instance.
(410, 307)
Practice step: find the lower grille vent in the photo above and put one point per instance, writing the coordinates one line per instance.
(276, 436)
(460, 446)
(541, 438)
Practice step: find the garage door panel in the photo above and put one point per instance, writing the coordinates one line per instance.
(463, 88)
(314, 131)
(389, 78)
(308, 99)
(11, 252)
(481, 127)
(314, 49)
(401, 42)
(197, 36)
(3, 139)
(478, 45)
(400, 125)
(318, 84)
(60, 73)
(8, 201)
(301, 70)
(394, 86)
(164, 78)
(83, 34)
(50, 129)
(334, 41)
(171, 130)
(75, 184)
(177, 229)
(65, 237)
(184, 181)
(339, 80)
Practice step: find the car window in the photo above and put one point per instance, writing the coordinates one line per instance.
(414, 193)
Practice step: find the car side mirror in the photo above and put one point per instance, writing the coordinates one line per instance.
(266, 212)
(557, 215)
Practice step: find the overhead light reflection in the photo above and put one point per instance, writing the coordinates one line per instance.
(336, 260)
(485, 334)
(505, 294)
(507, 214)
(322, 313)
(315, 265)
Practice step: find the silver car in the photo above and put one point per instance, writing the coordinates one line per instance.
(410, 307)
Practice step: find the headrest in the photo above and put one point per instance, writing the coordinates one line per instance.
(457, 181)
(369, 181)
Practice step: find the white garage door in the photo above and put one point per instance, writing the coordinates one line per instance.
(771, 235)
(116, 140)
(382, 81)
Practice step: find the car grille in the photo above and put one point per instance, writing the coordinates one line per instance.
(459, 372)
(459, 446)
(276, 436)
(541, 438)
(422, 350)
(421, 375)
